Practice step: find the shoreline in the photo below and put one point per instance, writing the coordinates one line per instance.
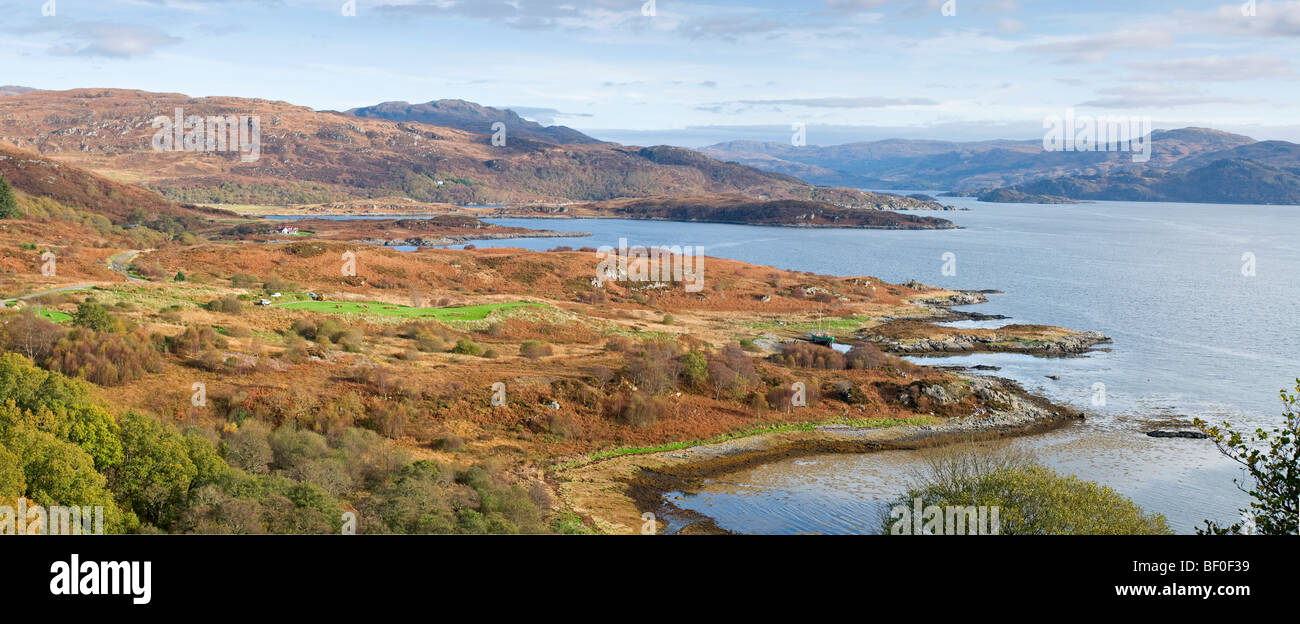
(287, 216)
(461, 239)
(810, 226)
(613, 493)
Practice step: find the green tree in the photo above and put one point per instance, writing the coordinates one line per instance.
(31, 388)
(1269, 457)
(52, 403)
(208, 465)
(156, 471)
(60, 473)
(416, 500)
(95, 316)
(8, 202)
(96, 432)
(695, 369)
(12, 481)
(180, 276)
(309, 496)
(57, 472)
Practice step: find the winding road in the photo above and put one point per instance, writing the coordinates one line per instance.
(7, 302)
(118, 262)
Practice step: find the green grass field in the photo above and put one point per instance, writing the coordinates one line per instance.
(51, 314)
(466, 313)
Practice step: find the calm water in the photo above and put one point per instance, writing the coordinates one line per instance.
(1193, 337)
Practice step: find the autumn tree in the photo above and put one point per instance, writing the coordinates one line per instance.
(30, 335)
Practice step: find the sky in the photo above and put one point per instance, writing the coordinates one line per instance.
(697, 73)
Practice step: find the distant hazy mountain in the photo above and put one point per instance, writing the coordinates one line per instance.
(901, 163)
(14, 90)
(472, 117)
(1186, 165)
(1226, 181)
(1279, 154)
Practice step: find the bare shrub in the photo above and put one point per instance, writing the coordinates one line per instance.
(808, 355)
(533, 349)
(636, 409)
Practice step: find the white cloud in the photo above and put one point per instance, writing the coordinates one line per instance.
(1096, 48)
(1215, 68)
(1010, 26)
(1279, 19)
(101, 38)
(823, 102)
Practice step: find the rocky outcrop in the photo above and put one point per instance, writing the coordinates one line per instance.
(1066, 344)
(1004, 403)
(1193, 435)
(961, 298)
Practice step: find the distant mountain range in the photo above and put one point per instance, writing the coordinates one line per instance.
(309, 156)
(1187, 164)
(14, 90)
(442, 151)
(1226, 181)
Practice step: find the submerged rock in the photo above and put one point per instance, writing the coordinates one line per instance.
(1194, 435)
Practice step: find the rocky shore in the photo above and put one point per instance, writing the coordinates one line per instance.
(1072, 343)
(913, 335)
(958, 298)
(615, 492)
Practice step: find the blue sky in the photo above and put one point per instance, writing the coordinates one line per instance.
(696, 72)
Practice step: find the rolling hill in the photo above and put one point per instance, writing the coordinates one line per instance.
(75, 187)
(309, 156)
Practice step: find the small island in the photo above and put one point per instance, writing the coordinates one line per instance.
(744, 211)
(1011, 196)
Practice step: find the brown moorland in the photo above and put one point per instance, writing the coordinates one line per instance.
(308, 156)
(586, 369)
(411, 345)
